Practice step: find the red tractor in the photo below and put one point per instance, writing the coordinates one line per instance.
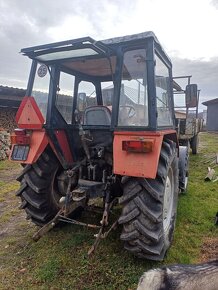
(98, 121)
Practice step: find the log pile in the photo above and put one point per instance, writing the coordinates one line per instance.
(4, 145)
(7, 119)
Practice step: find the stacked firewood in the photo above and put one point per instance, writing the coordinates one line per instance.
(7, 119)
(4, 145)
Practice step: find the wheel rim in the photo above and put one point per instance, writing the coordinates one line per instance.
(186, 181)
(186, 173)
(168, 201)
(56, 193)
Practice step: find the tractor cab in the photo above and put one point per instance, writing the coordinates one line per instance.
(93, 87)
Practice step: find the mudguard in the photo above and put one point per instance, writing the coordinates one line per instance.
(139, 164)
(38, 143)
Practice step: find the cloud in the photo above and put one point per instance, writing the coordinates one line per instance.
(17, 30)
(27, 23)
(204, 74)
(49, 13)
(214, 3)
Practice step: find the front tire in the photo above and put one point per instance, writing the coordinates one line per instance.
(149, 208)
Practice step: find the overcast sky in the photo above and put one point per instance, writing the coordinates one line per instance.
(187, 29)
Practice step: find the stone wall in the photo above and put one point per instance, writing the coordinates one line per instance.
(7, 119)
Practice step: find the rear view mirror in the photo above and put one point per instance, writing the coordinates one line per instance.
(191, 96)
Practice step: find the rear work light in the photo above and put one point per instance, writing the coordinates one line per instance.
(138, 146)
(20, 137)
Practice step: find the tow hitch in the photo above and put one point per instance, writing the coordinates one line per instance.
(70, 204)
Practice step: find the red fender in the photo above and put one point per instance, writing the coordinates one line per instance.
(138, 164)
(38, 143)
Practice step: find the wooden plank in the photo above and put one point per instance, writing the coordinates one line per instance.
(210, 175)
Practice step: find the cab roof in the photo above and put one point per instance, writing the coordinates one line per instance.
(86, 47)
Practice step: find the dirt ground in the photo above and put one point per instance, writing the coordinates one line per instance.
(10, 226)
(12, 219)
(209, 250)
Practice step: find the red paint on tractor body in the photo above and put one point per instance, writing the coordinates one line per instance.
(30, 118)
(138, 164)
(38, 143)
(64, 144)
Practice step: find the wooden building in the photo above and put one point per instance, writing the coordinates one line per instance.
(212, 114)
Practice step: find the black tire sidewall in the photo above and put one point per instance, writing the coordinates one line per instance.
(172, 165)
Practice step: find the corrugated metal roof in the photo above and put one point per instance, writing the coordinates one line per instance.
(130, 93)
(10, 91)
(11, 97)
(213, 101)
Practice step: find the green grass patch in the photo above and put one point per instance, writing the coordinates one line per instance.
(8, 187)
(7, 164)
(48, 271)
(7, 215)
(2, 183)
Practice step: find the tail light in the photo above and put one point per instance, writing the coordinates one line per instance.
(139, 146)
(20, 137)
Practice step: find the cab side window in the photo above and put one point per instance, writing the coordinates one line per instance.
(164, 114)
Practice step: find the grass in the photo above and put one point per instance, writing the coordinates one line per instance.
(6, 187)
(8, 184)
(59, 260)
(7, 165)
(49, 270)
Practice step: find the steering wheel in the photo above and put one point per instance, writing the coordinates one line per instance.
(130, 112)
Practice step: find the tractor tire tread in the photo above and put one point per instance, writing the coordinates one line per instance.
(35, 189)
(142, 209)
(23, 172)
(34, 199)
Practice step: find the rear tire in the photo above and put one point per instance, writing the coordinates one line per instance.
(39, 188)
(149, 208)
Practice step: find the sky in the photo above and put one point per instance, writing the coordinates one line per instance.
(187, 30)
